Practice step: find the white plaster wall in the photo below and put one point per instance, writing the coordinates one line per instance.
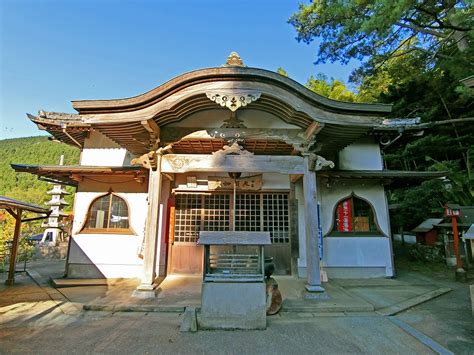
(105, 157)
(358, 252)
(114, 255)
(355, 251)
(99, 150)
(362, 155)
(355, 256)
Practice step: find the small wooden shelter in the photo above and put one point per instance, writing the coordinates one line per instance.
(16, 209)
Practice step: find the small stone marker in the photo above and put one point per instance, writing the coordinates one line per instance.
(189, 322)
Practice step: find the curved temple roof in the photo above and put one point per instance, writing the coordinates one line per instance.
(229, 73)
(135, 123)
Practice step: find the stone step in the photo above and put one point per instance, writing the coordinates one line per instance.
(80, 282)
(135, 308)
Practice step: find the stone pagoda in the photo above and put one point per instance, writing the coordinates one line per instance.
(54, 226)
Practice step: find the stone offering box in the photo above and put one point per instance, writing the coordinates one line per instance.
(233, 288)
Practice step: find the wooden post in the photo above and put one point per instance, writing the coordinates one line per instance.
(151, 230)
(294, 240)
(456, 242)
(16, 236)
(311, 229)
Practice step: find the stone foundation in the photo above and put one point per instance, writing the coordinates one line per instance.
(233, 306)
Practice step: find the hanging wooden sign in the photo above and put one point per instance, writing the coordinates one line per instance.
(248, 183)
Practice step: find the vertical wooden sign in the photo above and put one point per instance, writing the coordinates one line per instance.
(344, 216)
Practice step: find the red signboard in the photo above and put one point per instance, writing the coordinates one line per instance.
(344, 216)
(448, 212)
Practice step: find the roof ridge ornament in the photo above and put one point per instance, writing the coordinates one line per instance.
(234, 60)
(233, 100)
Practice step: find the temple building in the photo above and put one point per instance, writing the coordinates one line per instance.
(230, 148)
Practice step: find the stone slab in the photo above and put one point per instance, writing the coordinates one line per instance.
(189, 321)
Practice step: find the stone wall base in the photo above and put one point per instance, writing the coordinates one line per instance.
(52, 252)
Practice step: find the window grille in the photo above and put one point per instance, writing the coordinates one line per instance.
(217, 212)
(276, 217)
(188, 218)
(268, 212)
(247, 213)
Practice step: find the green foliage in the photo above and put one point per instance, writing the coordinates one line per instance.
(417, 203)
(333, 89)
(460, 187)
(374, 31)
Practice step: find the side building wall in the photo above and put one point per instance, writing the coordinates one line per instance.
(107, 255)
(352, 256)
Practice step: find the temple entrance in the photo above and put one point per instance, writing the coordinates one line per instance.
(254, 211)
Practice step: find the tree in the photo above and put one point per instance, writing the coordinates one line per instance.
(413, 54)
(333, 89)
(374, 31)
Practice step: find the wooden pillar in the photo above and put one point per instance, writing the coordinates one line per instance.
(294, 240)
(16, 237)
(152, 227)
(311, 229)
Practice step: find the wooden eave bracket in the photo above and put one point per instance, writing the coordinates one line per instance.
(312, 130)
(154, 132)
(147, 160)
(309, 136)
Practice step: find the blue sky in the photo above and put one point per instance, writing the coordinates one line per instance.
(56, 51)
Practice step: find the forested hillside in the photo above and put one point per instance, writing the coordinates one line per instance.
(27, 187)
(31, 150)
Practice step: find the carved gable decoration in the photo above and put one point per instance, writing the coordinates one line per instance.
(233, 101)
(234, 149)
(234, 60)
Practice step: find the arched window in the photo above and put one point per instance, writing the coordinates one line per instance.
(108, 213)
(354, 215)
